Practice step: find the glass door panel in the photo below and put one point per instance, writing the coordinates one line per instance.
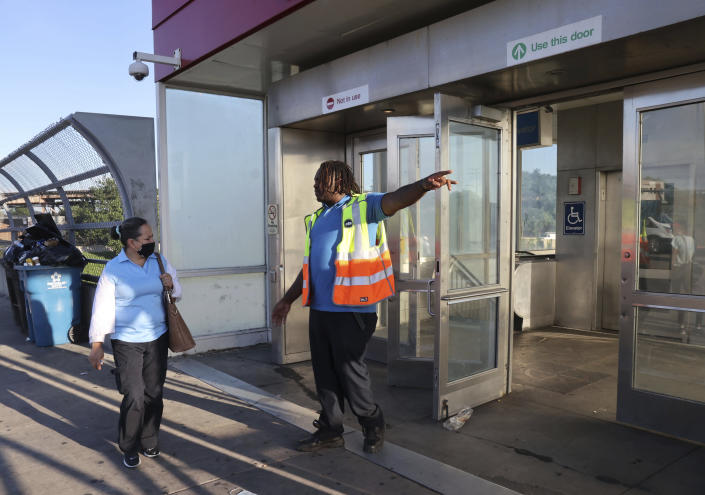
(417, 159)
(374, 179)
(416, 326)
(672, 203)
(472, 337)
(374, 170)
(412, 240)
(662, 332)
(661, 363)
(474, 159)
(368, 159)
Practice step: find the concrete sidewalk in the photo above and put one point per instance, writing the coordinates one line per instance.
(554, 434)
(58, 426)
(232, 420)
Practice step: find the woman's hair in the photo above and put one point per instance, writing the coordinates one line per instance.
(340, 175)
(128, 229)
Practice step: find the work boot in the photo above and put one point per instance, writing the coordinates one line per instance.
(374, 439)
(373, 429)
(320, 440)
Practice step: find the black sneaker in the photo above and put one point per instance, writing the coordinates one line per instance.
(153, 452)
(317, 442)
(374, 439)
(131, 460)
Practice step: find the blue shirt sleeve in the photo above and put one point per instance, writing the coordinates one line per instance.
(108, 272)
(374, 208)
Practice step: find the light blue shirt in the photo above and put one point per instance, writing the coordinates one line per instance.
(134, 295)
(325, 237)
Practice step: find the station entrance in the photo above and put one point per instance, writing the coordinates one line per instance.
(447, 326)
(465, 261)
(473, 271)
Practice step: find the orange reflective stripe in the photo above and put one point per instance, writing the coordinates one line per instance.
(304, 288)
(361, 295)
(360, 268)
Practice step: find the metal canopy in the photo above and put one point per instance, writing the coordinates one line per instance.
(313, 35)
(612, 65)
(75, 171)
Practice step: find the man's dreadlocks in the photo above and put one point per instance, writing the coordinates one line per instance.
(340, 175)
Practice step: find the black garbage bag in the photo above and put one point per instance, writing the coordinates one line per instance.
(44, 229)
(12, 254)
(64, 253)
(27, 242)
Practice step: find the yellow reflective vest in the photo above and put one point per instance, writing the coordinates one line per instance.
(363, 272)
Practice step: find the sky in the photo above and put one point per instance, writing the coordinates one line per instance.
(66, 56)
(544, 159)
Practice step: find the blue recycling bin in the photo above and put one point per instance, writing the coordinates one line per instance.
(52, 302)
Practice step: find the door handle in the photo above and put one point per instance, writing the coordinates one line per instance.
(428, 299)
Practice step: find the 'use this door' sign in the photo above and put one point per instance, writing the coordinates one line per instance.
(574, 218)
(561, 39)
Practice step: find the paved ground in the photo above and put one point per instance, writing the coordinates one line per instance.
(58, 425)
(552, 435)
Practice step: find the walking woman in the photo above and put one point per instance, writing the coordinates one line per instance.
(128, 306)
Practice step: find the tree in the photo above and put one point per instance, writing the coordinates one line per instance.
(538, 203)
(102, 204)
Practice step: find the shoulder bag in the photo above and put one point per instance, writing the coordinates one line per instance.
(180, 339)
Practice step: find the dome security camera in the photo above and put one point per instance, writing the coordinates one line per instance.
(138, 70)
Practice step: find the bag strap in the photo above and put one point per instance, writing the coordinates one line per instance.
(161, 268)
(161, 265)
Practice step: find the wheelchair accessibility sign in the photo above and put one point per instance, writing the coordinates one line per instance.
(574, 218)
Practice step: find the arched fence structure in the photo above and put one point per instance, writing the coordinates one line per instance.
(88, 171)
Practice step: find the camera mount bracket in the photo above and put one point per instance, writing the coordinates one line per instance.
(174, 61)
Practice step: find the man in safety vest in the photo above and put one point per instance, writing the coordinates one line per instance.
(346, 270)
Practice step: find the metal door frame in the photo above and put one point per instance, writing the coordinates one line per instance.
(601, 234)
(667, 414)
(355, 145)
(403, 371)
(493, 383)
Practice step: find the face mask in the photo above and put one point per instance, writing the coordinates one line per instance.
(146, 250)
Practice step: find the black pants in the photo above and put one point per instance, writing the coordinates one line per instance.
(338, 343)
(140, 371)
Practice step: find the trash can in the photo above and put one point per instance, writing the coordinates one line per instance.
(16, 298)
(53, 302)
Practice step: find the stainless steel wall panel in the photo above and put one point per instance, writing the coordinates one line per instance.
(475, 42)
(301, 154)
(608, 286)
(577, 139)
(575, 255)
(608, 154)
(472, 44)
(584, 146)
(392, 68)
(275, 267)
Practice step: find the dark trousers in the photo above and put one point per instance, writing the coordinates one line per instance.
(140, 371)
(338, 343)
